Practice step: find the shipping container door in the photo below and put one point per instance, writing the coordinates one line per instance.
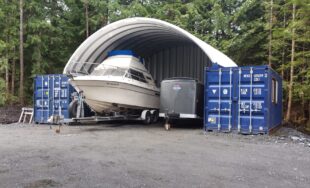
(252, 91)
(41, 98)
(61, 96)
(219, 106)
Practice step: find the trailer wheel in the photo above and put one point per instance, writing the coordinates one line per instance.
(155, 116)
(73, 108)
(147, 117)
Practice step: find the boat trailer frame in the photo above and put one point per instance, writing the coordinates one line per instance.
(97, 119)
(147, 116)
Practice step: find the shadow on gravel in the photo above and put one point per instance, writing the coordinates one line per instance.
(119, 125)
(186, 124)
(115, 125)
(43, 183)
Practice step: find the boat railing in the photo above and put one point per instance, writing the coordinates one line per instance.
(82, 68)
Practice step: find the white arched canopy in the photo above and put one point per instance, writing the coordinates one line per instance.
(164, 46)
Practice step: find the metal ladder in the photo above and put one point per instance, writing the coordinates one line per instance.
(26, 112)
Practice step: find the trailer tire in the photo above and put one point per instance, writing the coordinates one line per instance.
(73, 108)
(147, 117)
(155, 116)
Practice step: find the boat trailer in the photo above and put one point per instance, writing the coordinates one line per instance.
(78, 114)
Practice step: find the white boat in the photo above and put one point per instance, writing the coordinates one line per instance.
(119, 83)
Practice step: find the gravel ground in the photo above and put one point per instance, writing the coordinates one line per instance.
(133, 155)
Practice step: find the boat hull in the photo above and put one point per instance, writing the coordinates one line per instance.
(111, 96)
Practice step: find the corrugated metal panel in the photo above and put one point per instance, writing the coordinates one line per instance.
(52, 96)
(145, 36)
(178, 61)
(246, 99)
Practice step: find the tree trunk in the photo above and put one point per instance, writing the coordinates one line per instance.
(308, 115)
(13, 75)
(290, 86)
(21, 54)
(86, 19)
(13, 61)
(7, 79)
(283, 60)
(303, 105)
(303, 79)
(7, 76)
(283, 48)
(108, 18)
(270, 34)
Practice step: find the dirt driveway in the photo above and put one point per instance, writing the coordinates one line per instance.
(133, 155)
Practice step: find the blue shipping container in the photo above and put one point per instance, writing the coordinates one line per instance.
(246, 99)
(52, 96)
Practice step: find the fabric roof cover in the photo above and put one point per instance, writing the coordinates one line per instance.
(142, 35)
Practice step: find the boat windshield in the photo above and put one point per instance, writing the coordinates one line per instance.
(109, 71)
